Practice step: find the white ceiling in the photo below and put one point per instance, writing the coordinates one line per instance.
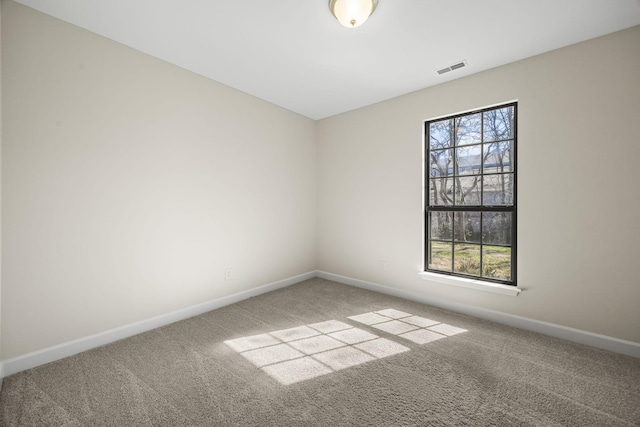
(294, 53)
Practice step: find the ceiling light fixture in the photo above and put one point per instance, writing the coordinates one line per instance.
(352, 13)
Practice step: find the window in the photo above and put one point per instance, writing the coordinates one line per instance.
(470, 209)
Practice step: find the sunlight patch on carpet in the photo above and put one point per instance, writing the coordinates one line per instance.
(419, 330)
(305, 352)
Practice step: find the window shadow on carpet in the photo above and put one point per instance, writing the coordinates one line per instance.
(304, 352)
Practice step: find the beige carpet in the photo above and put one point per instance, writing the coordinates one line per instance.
(325, 354)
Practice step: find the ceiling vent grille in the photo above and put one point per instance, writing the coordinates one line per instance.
(455, 66)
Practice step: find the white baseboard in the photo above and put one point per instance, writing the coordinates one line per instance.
(570, 334)
(51, 354)
(57, 352)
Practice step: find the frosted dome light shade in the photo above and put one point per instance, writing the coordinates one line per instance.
(352, 13)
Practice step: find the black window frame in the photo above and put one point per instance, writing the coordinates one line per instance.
(480, 207)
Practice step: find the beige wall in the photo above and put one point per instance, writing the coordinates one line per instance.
(129, 185)
(579, 209)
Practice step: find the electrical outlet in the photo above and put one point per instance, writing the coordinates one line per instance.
(227, 273)
(382, 265)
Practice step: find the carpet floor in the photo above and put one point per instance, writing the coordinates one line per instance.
(321, 353)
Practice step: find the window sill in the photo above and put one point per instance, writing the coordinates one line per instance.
(471, 283)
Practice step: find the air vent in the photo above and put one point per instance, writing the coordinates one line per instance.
(452, 67)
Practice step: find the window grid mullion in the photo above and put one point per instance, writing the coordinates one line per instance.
(455, 189)
(482, 145)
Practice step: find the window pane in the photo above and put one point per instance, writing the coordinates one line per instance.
(440, 191)
(441, 163)
(496, 228)
(498, 157)
(498, 124)
(496, 262)
(467, 259)
(441, 225)
(440, 256)
(468, 129)
(469, 160)
(467, 227)
(440, 134)
(468, 190)
(498, 189)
